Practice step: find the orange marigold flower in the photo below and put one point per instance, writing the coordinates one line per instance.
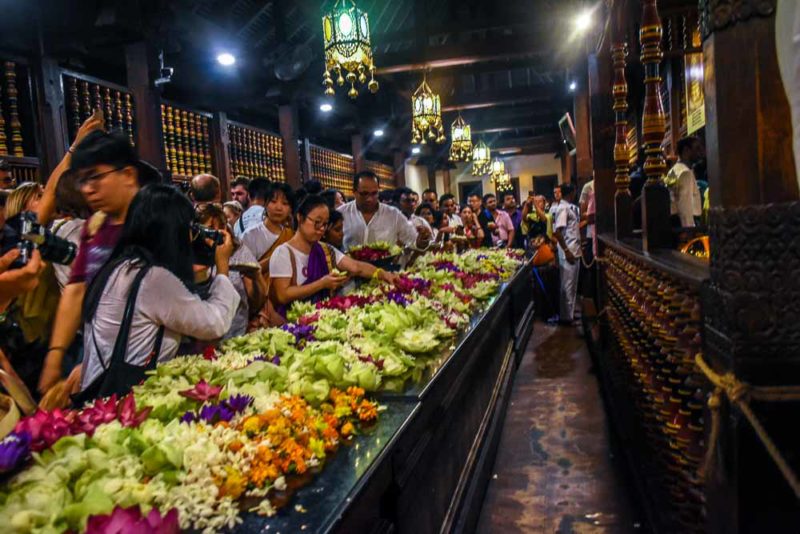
(367, 411)
(347, 429)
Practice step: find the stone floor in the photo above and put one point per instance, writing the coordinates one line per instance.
(554, 472)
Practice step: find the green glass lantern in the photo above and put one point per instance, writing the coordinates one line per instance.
(348, 52)
(461, 140)
(481, 159)
(426, 112)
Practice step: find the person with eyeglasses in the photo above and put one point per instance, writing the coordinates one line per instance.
(305, 268)
(366, 220)
(109, 175)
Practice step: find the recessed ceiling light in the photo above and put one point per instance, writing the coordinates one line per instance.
(573, 86)
(378, 133)
(226, 59)
(325, 108)
(415, 150)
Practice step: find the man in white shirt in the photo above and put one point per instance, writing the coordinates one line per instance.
(566, 230)
(258, 189)
(366, 220)
(686, 202)
(557, 202)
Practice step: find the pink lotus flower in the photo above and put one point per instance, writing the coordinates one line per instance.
(344, 303)
(131, 521)
(94, 415)
(45, 428)
(308, 319)
(202, 392)
(127, 414)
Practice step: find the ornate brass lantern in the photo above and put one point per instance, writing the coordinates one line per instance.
(426, 110)
(347, 48)
(460, 140)
(498, 168)
(502, 182)
(481, 159)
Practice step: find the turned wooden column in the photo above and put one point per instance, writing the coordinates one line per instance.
(623, 215)
(655, 197)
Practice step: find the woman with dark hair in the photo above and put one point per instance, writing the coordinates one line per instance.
(472, 228)
(263, 239)
(245, 273)
(305, 269)
(141, 302)
(335, 233)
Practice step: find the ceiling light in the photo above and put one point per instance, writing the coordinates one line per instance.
(378, 133)
(226, 59)
(583, 21)
(325, 108)
(415, 150)
(573, 86)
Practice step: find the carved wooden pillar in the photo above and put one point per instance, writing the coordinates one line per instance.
(751, 302)
(655, 197)
(50, 106)
(623, 216)
(601, 78)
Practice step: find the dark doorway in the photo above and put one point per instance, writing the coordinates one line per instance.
(543, 185)
(466, 189)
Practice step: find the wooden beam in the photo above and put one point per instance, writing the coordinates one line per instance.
(53, 131)
(500, 97)
(357, 146)
(456, 55)
(141, 61)
(399, 168)
(220, 154)
(287, 116)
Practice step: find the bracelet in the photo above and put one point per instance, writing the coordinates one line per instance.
(71, 149)
(377, 273)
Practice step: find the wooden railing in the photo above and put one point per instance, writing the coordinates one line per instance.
(187, 146)
(255, 152)
(332, 169)
(385, 173)
(17, 138)
(83, 94)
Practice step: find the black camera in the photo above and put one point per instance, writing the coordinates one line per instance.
(24, 232)
(204, 243)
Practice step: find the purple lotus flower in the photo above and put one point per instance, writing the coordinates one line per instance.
(189, 417)
(301, 332)
(238, 403)
(14, 450)
(214, 413)
(398, 298)
(446, 266)
(276, 360)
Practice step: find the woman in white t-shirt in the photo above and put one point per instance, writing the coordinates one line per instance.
(305, 269)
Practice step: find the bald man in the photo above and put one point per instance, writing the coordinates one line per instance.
(205, 189)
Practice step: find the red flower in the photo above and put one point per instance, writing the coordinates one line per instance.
(210, 353)
(45, 428)
(128, 416)
(202, 392)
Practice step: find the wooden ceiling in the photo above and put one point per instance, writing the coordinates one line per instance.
(505, 65)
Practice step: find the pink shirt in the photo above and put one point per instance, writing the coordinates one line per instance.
(504, 227)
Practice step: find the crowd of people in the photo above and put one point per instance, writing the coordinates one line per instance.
(128, 271)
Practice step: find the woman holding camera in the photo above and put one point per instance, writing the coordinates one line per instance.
(142, 301)
(305, 269)
(245, 272)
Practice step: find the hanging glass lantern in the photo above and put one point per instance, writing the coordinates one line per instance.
(481, 158)
(426, 110)
(460, 140)
(502, 182)
(498, 168)
(348, 52)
